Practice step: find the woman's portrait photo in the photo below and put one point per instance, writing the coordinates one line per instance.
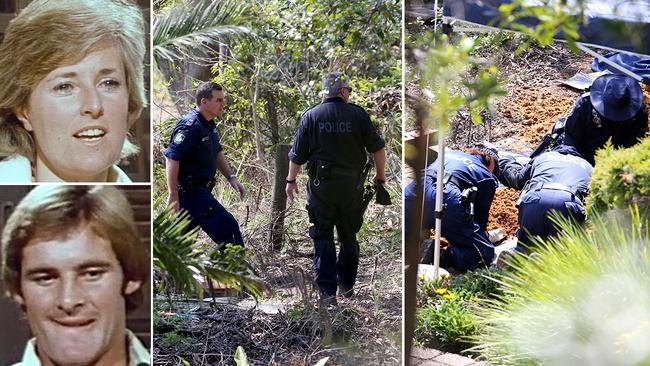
(72, 91)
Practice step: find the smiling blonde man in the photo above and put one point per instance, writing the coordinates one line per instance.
(72, 260)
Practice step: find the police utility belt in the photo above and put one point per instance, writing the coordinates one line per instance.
(320, 170)
(468, 193)
(190, 182)
(538, 186)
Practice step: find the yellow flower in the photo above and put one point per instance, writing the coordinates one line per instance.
(441, 291)
(422, 278)
(449, 296)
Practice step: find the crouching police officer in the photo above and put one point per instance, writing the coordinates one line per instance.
(333, 138)
(470, 184)
(193, 157)
(613, 109)
(557, 180)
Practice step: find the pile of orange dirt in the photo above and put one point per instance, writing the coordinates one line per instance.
(503, 212)
(536, 110)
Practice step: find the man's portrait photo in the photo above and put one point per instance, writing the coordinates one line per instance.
(76, 266)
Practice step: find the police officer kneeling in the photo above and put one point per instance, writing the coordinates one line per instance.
(333, 138)
(613, 109)
(557, 180)
(470, 184)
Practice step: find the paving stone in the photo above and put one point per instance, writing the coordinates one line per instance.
(426, 363)
(425, 354)
(454, 360)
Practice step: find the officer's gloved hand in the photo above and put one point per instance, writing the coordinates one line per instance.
(382, 198)
(509, 168)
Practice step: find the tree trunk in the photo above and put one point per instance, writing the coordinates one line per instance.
(272, 113)
(279, 204)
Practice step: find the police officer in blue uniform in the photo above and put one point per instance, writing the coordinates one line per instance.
(193, 157)
(557, 180)
(613, 109)
(470, 180)
(332, 138)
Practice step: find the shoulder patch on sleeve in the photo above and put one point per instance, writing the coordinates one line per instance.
(190, 121)
(179, 137)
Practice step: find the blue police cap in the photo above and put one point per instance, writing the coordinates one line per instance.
(333, 83)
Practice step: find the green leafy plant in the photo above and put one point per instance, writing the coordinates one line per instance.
(446, 315)
(582, 299)
(182, 263)
(473, 285)
(621, 177)
(295, 312)
(445, 324)
(240, 357)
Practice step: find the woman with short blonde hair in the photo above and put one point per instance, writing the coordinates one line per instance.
(71, 85)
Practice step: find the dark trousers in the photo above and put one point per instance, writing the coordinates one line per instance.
(335, 203)
(535, 212)
(206, 212)
(469, 246)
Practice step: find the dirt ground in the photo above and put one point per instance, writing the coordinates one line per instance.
(286, 326)
(503, 212)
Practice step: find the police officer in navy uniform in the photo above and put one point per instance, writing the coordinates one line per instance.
(613, 109)
(193, 157)
(557, 180)
(469, 179)
(333, 138)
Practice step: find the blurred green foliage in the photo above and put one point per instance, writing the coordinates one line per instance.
(621, 177)
(582, 299)
(554, 17)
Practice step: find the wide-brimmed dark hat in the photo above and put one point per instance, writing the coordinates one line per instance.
(616, 97)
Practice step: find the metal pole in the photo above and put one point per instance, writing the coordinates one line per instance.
(439, 182)
(439, 194)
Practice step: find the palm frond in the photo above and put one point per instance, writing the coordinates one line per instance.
(182, 28)
(173, 248)
(176, 255)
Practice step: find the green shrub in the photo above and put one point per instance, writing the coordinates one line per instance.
(621, 177)
(476, 284)
(583, 299)
(445, 324)
(446, 316)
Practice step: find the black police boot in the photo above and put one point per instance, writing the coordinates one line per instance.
(328, 300)
(345, 291)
